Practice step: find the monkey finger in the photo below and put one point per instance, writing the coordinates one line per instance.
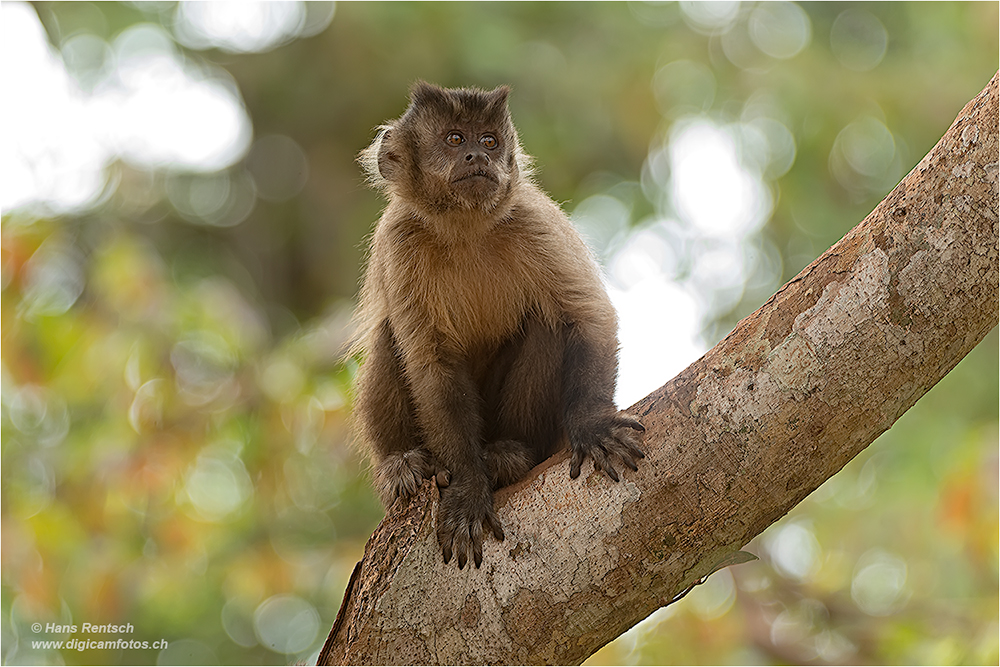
(629, 462)
(574, 463)
(630, 422)
(602, 461)
(621, 446)
(630, 446)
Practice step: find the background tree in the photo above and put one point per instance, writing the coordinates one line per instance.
(178, 270)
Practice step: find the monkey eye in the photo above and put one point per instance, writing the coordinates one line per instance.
(455, 139)
(488, 141)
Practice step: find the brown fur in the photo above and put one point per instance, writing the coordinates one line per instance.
(487, 332)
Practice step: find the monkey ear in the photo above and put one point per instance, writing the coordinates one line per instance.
(497, 97)
(425, 94)
(495, 104)
(388, 160)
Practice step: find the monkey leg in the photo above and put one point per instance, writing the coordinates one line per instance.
(384, 410)
(508, 461)
(523, 392)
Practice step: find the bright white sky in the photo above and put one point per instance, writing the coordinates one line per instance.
(153, 109)
(719, 204)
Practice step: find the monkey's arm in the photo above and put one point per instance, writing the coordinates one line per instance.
(594, 426)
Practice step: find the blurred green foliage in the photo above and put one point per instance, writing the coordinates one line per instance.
(175, 412)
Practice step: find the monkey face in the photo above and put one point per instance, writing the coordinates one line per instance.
(474, 158)
(453, 149)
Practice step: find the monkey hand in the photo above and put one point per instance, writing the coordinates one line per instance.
(465, 514)
(603, 437)
(400, 474)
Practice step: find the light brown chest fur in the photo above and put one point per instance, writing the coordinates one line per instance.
(473, 294)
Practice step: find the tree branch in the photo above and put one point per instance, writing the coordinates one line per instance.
(734, 442)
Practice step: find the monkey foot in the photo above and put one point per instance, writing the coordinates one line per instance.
(399, 475)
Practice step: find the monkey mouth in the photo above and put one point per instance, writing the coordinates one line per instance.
(477, 175)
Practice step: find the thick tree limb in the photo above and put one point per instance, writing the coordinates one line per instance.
(734, 442)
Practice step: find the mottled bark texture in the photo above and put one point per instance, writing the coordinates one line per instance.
(734, 442)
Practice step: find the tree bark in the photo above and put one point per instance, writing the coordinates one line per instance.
(734, 442)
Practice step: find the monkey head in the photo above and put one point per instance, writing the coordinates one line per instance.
(452, 150)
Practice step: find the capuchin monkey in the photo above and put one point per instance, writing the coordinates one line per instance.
(488, 338)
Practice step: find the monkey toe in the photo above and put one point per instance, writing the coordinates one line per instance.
(462, 542)
(463, 545)
(603, 461)
(496, 528)
(597, 451)
(445, 549)
(626, 451)
(575, 462)
(476, 543)
(448, 541)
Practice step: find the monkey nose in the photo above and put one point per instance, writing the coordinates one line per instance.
(478, 157)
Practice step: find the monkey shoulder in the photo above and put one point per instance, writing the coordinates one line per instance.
(558, 244)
